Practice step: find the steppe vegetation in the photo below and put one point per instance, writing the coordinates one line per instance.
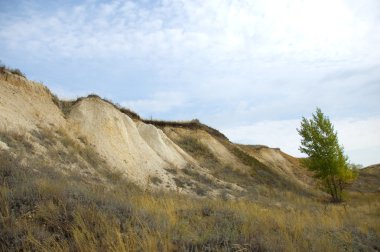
(48, 208)
(58, 194)
(15, 71)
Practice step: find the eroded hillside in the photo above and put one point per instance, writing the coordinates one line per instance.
(368, 180)
(88, 175)
(187, 157)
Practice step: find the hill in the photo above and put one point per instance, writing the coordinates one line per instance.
(368, 180)
(188, 157)
(89, 175)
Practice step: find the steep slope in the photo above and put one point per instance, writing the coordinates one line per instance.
(163, 146)
(219, 151)
(139, 151)
(238, 164)
(189, 157)
(115, 136)
(26, 105)
(29, 108)
(281, 163)
(368, 180)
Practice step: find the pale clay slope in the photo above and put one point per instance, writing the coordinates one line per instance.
(273, 159)
(140, 151)
(221, 152)
(217, 149)
(3, 146)
(26, 105)
(116, 137)
(163, 146)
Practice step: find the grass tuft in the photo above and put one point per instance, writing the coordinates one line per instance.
(15, 71)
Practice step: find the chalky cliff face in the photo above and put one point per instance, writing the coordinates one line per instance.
(187, 157)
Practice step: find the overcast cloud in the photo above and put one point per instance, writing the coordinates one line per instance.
(249, 68)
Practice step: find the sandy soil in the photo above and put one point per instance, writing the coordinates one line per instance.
(26, 105)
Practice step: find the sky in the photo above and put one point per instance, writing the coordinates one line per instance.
(250, 68)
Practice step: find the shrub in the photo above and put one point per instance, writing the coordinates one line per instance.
(155, 180)
(193, 124)
(15, 71)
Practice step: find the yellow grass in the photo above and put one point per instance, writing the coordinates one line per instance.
(42, 209)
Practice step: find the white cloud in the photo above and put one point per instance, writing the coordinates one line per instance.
(359, 134)
(360, 137)
(66, 94)
(223, 49)
(280, 134)
(216, 30)
(159, 102)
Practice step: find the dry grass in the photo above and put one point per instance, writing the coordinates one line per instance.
(15, 71)
(193, 125)
(67, 199)
(368, 180)
(195, 148)
(43, 209)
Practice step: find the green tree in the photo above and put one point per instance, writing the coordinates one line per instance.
(326, 157)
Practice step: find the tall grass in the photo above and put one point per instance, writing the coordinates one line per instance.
(45, 209)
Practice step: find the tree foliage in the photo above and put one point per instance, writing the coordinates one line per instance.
(325, 156)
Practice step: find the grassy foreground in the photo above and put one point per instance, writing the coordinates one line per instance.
(45, 209)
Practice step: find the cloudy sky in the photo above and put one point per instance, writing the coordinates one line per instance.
(250, 68)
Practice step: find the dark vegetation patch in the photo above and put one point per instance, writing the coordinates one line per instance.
(182, 182)
(200, 190)
(246, 158)
(16, 71)
(187, 183)
(198, 150)
(155, 180)
(194, 124)
(256, 146)
(197, 176)
(228, 173)
(172, 170)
